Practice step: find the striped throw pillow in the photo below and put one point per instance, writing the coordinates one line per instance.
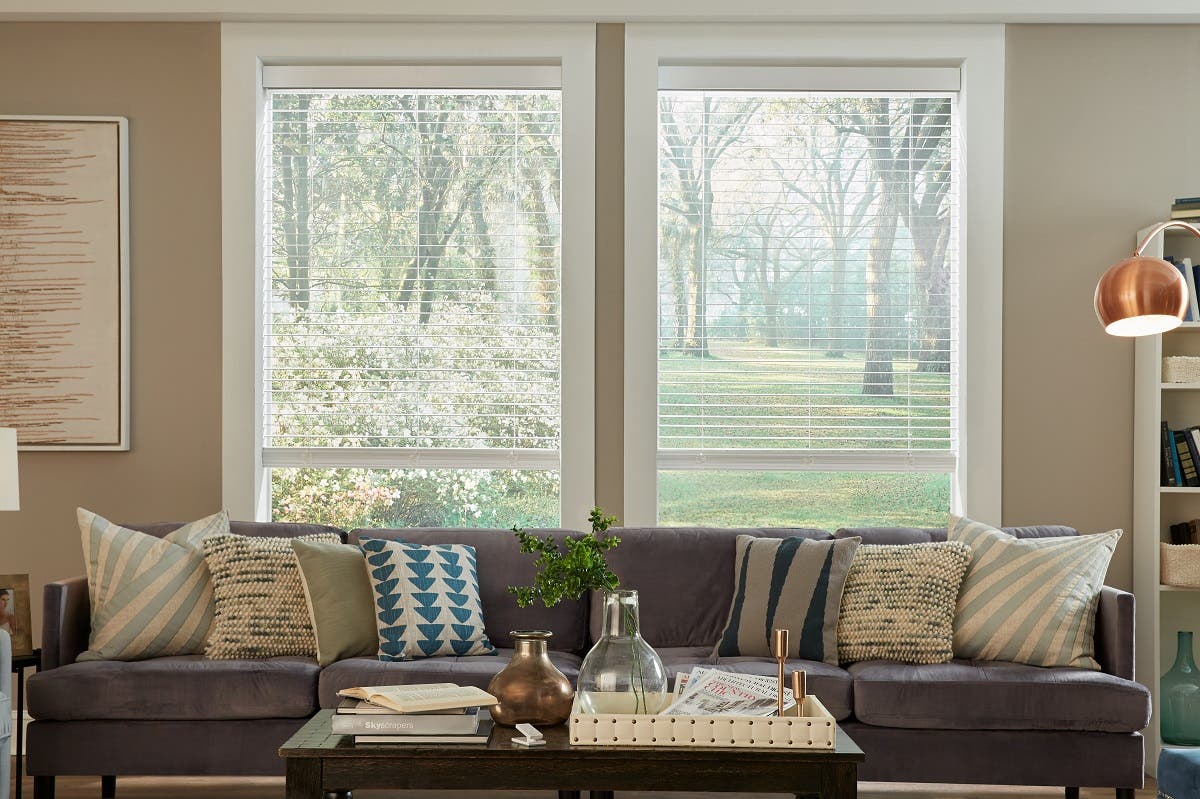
(1030, 600)
(151, 597)
(787, 583)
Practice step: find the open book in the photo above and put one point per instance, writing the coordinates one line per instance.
(419, 698)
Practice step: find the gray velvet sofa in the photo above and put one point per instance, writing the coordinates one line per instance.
(960, 722)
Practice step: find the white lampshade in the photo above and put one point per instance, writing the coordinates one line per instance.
(10, 496)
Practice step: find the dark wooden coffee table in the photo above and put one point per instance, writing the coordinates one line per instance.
(319, 762)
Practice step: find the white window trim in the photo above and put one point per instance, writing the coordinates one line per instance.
(246, 49)
(978, 52)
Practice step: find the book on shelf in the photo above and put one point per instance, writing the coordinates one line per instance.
(1167, 467)
(480, 737)
(421, 698)
(1187, 465)
(1185, 533)
(352, 723)
(1188, 273)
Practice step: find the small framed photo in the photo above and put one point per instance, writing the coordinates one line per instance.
(15, 616)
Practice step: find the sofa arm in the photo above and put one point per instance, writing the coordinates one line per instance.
(66, 622)
(1114, 632)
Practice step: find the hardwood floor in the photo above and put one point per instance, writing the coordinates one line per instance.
(272, 788)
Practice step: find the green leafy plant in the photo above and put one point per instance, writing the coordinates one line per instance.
(572, 572)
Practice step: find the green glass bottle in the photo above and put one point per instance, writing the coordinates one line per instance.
(1179, 697)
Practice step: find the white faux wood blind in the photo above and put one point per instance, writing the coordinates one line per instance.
(411, 282)
(808, 273)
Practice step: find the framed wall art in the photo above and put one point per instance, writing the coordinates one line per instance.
(64, 281)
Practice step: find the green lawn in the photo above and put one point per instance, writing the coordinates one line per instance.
(760, 386)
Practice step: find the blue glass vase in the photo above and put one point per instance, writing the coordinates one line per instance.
(1179, 697)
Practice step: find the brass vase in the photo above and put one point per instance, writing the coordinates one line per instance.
(530, 689)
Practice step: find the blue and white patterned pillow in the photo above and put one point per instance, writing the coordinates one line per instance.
(426, 600)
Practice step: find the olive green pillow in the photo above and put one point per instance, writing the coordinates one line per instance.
(339, 600)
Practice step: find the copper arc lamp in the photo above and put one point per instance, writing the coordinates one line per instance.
(1143, 295)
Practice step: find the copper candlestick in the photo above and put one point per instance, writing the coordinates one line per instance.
(780, 646)
(799, 681)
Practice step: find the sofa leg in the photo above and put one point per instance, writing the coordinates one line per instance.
(1071, 793)
(568, 795)
(108, 786)
(43, 787)
(1126, 793)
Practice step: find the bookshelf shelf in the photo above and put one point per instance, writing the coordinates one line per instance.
(1162, 610)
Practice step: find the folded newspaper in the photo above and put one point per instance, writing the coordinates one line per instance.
(709, 692)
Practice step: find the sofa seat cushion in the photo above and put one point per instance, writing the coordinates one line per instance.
(831, 684)
(187, 687)
(476, 670)
(985, 695)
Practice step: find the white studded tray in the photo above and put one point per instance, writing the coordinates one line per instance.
(813, 727)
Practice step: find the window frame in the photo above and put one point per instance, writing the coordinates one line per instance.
(435, 53)
(825, 57)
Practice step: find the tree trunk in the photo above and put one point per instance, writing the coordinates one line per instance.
(297, 207)
(931, 239)
(836, 346)
(877, 371)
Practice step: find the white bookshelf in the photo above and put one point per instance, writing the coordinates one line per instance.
(1161, 610)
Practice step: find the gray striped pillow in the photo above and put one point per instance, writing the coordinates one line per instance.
(151, 597)
(787, 583)
(1030, 600)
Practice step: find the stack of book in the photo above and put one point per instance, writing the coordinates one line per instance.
(1186, 209)
(1186, 532)
(435, 713)
(1180, 457)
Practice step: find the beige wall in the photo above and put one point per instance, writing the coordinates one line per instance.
(166, 80)
(1098, 124)
(1102, 132)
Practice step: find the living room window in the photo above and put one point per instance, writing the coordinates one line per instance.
(807, 324)
(414, 294)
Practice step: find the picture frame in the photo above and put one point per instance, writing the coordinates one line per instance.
(67, 353)
(15, 612)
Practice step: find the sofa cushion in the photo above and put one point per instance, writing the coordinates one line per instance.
(1030, 601)
(476, 670)
(188, 687)
(830, 684)
(899, 602)
(500, 563)
(985, 695)
(340, 602)
(789, 583)
(426, 600)
(670, 567)
(150, 597)
(925, 535)
(260, 607)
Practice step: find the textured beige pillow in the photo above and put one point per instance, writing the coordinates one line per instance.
(341, 604)
(898, 603)
(260, 608)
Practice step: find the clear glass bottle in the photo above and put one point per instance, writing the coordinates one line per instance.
(622, 673)
(1180, 697)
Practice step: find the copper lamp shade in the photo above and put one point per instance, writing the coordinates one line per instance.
(1142, 295)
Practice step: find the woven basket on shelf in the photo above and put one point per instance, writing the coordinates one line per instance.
(1180, 565)
(1181, 369)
